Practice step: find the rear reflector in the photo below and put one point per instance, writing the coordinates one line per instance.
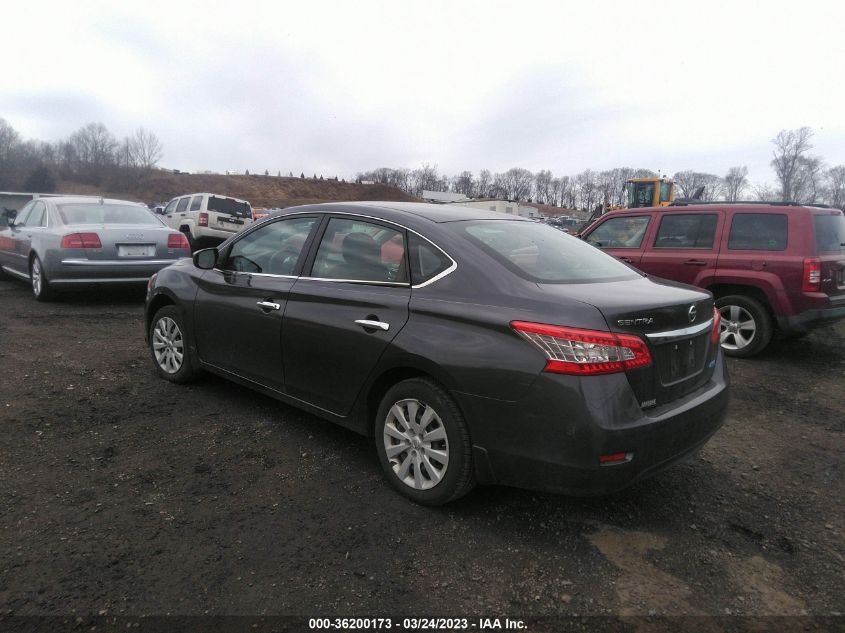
(81, 240)
(812, 275)
(615, 458)
(203, 219)
(717, 322)
(584, 352)
(177, 240)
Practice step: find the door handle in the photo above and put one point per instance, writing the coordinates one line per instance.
(268, 305)
(626, 259)
(373, 325)
(695, 262)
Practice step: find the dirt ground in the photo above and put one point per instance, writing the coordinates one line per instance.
(121, 493)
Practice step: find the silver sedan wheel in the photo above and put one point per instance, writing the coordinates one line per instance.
(37, 277)
(738, 327)
(168, 345)
(416, 444)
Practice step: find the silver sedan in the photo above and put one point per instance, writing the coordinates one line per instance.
(76, 241)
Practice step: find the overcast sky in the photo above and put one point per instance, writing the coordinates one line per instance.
(341, 87)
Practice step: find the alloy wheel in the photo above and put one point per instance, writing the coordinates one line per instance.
(168, 345)
(37, 277)
(738, 327)
(416, 445)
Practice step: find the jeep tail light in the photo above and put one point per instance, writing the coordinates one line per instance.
(584, 352)
(203, 219)
(717, 322)
(81, 240)
(812, 275)
(177, 240)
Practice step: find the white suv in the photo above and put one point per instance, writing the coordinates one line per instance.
(207, 217)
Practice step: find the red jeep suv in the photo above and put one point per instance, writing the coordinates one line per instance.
(772, 267)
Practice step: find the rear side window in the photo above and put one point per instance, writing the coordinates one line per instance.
(686, 231)
(830, 233)
(196, 203)
(36, 216)
(356, 250)
(540, 253)
(758, 232)
(427, 261)
(183, 204)
(620, 233)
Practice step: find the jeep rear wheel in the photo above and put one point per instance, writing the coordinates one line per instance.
(746, 326)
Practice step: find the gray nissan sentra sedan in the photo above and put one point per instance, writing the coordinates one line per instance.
(472, 346)
(66, 241)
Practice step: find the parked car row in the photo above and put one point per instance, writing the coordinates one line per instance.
(771, 267)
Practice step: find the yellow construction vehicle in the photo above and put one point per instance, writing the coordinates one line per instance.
(649, 192)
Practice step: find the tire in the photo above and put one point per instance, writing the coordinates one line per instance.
(168, 349)
(420, 472)
(38, 280)
(738, 311)
(187, 233)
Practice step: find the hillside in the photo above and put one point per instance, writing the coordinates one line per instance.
(260, 191)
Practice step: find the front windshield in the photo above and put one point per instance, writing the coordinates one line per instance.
(95, 213)
(540, 253)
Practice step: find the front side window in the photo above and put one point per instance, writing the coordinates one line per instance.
(686, 231)
(196, 203)
(171, 207)
(758, 232)
(620, 232)
(273, 249)
(21, 217)
(183, 205)
(540, 253)
(356, 250)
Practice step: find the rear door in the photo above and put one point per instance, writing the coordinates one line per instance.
(685, 247)
(341, 318)
(622, 236)
(240, 304)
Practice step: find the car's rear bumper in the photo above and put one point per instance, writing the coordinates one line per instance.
(811, 319)
(552, 440)
(75, 271)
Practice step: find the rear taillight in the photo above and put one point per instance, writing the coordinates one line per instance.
(177, 240)
(717, 322)
(584, 352)
(203, 219)
(812, 275)
(81, 240)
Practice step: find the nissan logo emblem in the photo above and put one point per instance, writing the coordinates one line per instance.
(692, 312)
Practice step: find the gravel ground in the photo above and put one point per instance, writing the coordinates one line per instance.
(124, 494)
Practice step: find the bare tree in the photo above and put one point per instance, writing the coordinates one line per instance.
(425, 178)
(765, 192)
(808, 184)
(94, 146)
(543, 186)
(736, 181)
(464, 184)
(146, 149)
(836, 186)
(790, 147)
(483, 184)
(515, 183)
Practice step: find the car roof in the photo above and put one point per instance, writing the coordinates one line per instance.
(438, 213)
(200, 193)
(762, 207)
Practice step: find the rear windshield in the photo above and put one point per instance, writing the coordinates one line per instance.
(229, 206)
(830, 233)
(94, 213)
(540, 253)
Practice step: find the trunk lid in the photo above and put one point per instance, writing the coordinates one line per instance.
(127, 242)
(675, 321)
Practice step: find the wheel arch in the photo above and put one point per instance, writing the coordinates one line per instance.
(720, 290)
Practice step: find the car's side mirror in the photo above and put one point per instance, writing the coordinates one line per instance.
(206, 258)
(10, 215)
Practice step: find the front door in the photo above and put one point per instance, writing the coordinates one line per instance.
(621, 236)
(341, 318)
(240, 304)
